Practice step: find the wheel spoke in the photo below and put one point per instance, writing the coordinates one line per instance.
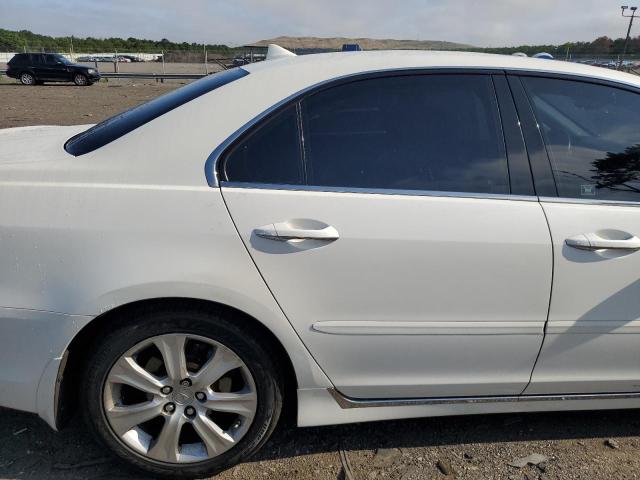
(223, 361)
(242, 403)
(166, 447)
(124, 418)
(172, 349)
(127, 371)
(215, 439)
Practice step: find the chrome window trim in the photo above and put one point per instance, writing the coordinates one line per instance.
(577, 77)
(428, 193)
(348, 402)
(590, 201)
(379, 191)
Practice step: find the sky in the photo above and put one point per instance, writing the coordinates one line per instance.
(234, 22)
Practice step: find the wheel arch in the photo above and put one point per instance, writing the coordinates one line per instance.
(29, 71)
(75, 73)
(79, 349)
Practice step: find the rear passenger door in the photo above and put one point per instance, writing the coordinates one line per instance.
(39, 66)
(592, 136)
(399, 234)
(44, 67)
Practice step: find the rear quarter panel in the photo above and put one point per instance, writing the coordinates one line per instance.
(82, 247)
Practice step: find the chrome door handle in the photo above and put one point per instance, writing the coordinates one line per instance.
(284, 231)
(593, 241)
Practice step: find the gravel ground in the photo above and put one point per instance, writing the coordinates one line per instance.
(587, 445)
(66, 104)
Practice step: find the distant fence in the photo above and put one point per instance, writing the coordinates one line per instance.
(106, 60)
(158, 76)
(147, 57)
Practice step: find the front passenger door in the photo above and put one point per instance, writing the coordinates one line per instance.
(592, 135)
(56, 70)
(381, 215)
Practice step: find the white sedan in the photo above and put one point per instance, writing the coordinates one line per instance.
(358, 236)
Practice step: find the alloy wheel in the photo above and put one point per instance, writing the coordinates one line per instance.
(179, 398)
(80, 79)
(27, 79)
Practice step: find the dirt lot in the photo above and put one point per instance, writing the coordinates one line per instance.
(66, 104)
(588, 446)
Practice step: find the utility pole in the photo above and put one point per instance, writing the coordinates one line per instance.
(626, 40)
(206, 68)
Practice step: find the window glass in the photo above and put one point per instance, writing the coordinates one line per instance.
(54, 59)
(417, 132)
(19, 58)
(592, 134)
(125, 122)
(270, 154)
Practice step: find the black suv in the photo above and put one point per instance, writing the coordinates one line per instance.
(37, 68)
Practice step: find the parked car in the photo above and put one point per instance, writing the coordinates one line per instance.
(132, 58)
(112, 59)
(456, 234)
(241, 60)
(87, 58)
(37, 68)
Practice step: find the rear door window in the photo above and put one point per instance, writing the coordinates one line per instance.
(413, 132)
(408, 132)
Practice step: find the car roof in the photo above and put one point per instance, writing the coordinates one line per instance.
(323, 66)
(32, 54)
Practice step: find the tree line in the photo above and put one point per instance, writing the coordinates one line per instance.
(26, 40)
(600, 46)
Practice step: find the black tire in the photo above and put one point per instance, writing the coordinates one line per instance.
(28, 78)
(81, 80)
(124, 333)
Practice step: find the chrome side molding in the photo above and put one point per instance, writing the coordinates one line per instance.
(589, 201)
(346, 402)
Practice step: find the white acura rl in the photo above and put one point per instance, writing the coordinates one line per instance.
(359, 236)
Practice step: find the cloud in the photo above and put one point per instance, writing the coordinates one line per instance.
(481, 23)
